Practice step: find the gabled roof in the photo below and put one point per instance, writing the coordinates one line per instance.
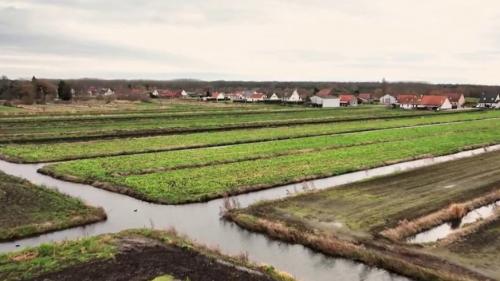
(325, 93)
(257, 95)
(488, 98)
(347, 98)
(428, 100)
(365, 96)
(452, 96)
(408, 99)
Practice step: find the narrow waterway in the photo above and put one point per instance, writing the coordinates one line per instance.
(201, 222)
(443, 230)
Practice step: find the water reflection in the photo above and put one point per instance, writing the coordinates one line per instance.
(443, 230)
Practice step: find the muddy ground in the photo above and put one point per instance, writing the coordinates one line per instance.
(142, 259)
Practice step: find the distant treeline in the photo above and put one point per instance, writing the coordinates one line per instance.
(15, 89)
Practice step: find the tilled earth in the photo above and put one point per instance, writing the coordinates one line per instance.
(144, 259)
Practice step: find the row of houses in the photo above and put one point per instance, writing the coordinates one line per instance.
(434, 100)
(439, 101)
(254, 96)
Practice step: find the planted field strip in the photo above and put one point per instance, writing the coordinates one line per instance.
(91, 149)
(204, 183)
(102, 168)
(26, 209)
(85, 129)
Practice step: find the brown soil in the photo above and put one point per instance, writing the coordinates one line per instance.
(144, 259)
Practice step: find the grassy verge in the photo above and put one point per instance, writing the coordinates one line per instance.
(204, 183)
(90, 149)
(108, 256)
(27, 210)
(347, 220)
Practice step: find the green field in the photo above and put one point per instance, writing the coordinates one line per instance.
(77, 128)
(26, 209)
(131, 255)
(88, 149)
(313, 158)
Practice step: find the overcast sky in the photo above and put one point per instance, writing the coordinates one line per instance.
(454, 41)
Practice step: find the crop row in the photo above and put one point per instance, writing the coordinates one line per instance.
(203, 183)
(89, 149)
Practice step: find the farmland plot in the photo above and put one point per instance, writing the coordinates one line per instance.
(89, 149)
(26, 209)
(131, 255)
(76, 129)
(313, 158)
(350, 220)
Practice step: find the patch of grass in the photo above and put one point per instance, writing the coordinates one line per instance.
(26, 209)
(164, 278)
(46, 258)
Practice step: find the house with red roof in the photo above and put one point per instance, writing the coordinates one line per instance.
(456, 99)
(435, 102)
(256, 96)
(408, 101)
(348, 100)
(169, 94)
(365, 98)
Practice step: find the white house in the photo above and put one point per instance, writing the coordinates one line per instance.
(326, 101)
(184, 94)
(155, 93)
(489, 101)
(387, 99)
(408, 101)
(108, 92)
(274, 96)
(295, 97)
(256, 97)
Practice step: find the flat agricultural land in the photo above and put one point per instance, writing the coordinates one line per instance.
(131, 255)
(57, 151)
(93, 107)
(56, 128)
(193, 175)
(356, 213)
(479, 250)
(27, 209)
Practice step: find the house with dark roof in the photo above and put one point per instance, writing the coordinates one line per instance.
(489, 101)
